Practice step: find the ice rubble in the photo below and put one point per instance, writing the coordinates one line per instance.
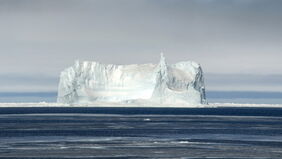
(145, 84)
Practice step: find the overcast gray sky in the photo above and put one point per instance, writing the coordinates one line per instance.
(235, 41)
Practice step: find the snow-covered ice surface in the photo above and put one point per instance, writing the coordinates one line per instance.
(210, 105)
(146, 84)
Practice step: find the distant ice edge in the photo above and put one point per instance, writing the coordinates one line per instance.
(210, 105)
(145, 84)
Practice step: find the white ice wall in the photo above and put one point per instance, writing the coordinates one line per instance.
(90, 82)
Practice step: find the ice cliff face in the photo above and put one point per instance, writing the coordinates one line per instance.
(90, 82)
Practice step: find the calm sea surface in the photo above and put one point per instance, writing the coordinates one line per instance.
(140, 132)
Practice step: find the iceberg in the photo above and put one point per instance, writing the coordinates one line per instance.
(89, 82)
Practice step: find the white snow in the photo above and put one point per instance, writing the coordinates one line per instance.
(97, 104)
(146, 84)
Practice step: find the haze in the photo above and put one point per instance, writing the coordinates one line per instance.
(237, 42)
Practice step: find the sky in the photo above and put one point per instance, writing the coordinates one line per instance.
(237, 42)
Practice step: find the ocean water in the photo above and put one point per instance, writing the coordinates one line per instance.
(244, 97)
(140, 132)
(212, 97)
(73, 132)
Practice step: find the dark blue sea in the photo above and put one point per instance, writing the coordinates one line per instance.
(74, 132)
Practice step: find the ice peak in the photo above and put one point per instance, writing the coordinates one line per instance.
(162, 63)
(162, 57)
